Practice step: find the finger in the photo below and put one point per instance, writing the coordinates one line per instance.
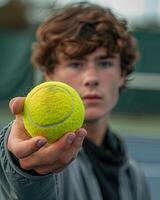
(67, 157)
(72, 152)
(22, 149)
(49, 169)
(80, 135)
(54, 168)
(49, 154)
(16, 105)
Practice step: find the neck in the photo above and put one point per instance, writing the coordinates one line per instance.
(96, 130)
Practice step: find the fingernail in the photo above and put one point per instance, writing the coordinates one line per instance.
(81, 133)
(11, 103)
(41, 143)
(81, 136)
(70, 138)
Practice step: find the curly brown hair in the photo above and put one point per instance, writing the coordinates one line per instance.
(84, 27)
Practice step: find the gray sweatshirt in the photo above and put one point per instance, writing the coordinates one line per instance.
(76, 182)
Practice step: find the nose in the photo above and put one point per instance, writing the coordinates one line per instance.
(91, 78)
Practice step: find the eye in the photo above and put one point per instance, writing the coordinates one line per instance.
(75, 65)
(105, 63)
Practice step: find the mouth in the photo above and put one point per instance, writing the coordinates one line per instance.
(92, 98)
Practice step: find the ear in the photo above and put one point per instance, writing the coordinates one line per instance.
(48, 76)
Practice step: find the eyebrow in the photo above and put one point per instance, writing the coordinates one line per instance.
(100, 57)
(103, 57)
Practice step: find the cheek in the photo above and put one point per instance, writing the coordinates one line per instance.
(115, 91)
(63, 76)
(113, 94)
(73, 81)
(115, 81)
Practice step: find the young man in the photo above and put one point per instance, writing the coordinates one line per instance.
(87, 47)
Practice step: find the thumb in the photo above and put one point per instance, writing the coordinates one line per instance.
(16, 105)
(22, 149)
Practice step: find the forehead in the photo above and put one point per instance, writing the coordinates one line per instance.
(100, 52)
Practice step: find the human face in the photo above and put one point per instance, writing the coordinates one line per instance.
(96, 77)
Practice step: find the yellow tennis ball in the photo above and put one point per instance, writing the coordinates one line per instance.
(51, 109)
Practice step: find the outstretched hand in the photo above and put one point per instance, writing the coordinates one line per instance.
(35, 153)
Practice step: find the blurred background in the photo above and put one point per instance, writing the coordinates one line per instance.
(137, 115)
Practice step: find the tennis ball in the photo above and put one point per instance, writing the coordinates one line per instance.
(51, 109)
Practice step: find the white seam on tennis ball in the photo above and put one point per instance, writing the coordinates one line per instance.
(61, 121)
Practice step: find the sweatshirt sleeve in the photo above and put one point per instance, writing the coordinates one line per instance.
(146, 193)
(17, 184)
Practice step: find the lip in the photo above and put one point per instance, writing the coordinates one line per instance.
(92, 98)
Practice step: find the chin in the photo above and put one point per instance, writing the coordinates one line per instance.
(94, 115)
